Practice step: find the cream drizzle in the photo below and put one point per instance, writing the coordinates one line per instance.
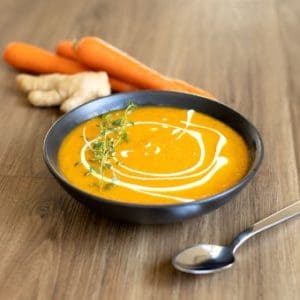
(124, 153)
(157, 150)
(190, 113)
(205, 175)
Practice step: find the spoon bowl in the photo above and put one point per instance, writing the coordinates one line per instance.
(204, 259)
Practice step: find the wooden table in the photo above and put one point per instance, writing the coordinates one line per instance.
(245, 52)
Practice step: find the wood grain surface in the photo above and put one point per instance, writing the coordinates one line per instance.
(248, 54)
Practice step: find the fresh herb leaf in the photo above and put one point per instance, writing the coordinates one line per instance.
(124, 136)
(131, 105)
(111, 134)
(107, 166)
(117, 122)
(90, 171)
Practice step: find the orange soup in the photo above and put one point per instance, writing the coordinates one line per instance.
(153, 155)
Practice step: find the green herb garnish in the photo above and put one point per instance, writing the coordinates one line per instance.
(90, 171)
(111, 133)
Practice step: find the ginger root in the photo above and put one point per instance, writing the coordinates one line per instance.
(68, 91)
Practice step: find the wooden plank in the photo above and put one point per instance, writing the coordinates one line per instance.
(288, 30)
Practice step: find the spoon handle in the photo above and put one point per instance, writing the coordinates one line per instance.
(280, 216)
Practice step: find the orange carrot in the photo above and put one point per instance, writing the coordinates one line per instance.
(121, 86)
(66, 49)
(182, 85)
(36, 60)
(99, 55)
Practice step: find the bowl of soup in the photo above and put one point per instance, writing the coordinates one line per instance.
(153, 157)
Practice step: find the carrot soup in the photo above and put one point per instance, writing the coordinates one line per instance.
(153, 155)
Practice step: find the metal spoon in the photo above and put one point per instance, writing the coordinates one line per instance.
(206, 258)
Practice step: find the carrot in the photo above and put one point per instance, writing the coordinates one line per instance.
(36, 60)
(121, 86)
(99, 55)
(65, 48)
(182, 85)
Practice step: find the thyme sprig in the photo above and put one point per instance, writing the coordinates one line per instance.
(112, 132)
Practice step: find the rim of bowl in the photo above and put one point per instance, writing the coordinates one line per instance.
(256, 162)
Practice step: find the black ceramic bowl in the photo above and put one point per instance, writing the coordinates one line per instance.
(151, 214)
